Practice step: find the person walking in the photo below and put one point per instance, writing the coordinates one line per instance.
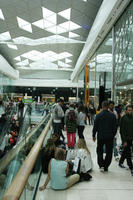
(105, 127)
(58, 114)
(81, 121)
(71, 125)
(126, 132)
(112, 109)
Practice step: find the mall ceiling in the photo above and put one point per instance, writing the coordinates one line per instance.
(39, 37)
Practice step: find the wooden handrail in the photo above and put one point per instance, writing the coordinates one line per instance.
(12, 153)
(16, 188)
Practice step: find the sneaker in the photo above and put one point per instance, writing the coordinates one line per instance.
(101, 169)
(121, 165)
(132, 172)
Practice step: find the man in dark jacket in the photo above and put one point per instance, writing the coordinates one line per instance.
(126, 131)
(105, 127)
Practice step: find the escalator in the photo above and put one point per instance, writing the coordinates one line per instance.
(10, 165)
(6, 128)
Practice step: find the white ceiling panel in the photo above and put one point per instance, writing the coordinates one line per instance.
(57, 26)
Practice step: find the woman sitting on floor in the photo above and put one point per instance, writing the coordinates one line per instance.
(47, 153)
(57, 173)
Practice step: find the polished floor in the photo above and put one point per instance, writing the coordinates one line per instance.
(116, 184)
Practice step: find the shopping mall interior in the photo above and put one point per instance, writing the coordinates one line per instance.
(76, 50)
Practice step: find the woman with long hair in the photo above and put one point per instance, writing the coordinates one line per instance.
(84, 154)
(47, 153)
(81, 121)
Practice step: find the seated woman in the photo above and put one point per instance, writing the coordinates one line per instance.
(46, 154)
(84, 154)
(57, 173)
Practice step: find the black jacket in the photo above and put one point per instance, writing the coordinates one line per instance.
(126, 128)
(105, 125)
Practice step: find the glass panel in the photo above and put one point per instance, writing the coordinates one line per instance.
(10, 171)
(124, 54)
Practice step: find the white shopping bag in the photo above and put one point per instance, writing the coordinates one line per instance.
(76, 164)
(71, 154)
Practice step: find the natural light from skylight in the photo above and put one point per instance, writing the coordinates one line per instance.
(1, 15)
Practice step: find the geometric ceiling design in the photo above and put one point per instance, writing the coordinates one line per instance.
(45, 34)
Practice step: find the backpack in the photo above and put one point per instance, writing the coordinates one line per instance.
(71, 122)
(71, 116)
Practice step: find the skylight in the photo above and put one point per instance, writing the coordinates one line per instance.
(65, 25)
(67, 60)
(46, 12)
(12, 46)
(69, 26)
(74, 26)
(23, 24)
(18, 58)
(52, 29)
(72, 35)
(52, 19)
(5, 36)
(62, 64)
(47, 24)
(66, 13)
(39, 23)
(1, 15)
(32, 55)
(23, 63)
(45, 58)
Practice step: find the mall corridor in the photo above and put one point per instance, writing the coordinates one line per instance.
(116, 184)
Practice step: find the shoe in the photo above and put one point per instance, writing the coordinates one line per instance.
(105, 169)
(101, 169)
(121, 165)
(132, 172)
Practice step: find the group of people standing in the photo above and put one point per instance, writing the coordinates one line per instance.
(74, 117)
(105, 128)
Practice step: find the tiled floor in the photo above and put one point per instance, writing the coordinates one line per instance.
(116, 184)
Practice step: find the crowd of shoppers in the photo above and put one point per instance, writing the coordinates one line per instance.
(107, 122)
